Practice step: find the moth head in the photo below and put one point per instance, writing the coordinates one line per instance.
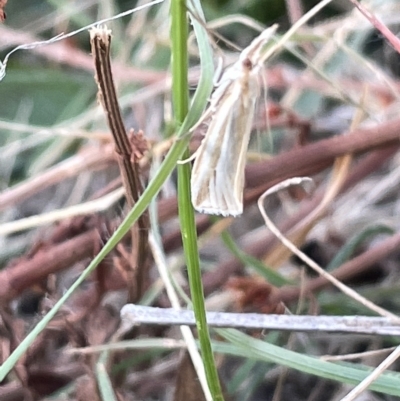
(247, 64)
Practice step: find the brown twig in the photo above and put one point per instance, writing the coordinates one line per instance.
(63, 253)
(318, 155)
(16, 278)
(127, 158)
(2, 12)
(361, 263)
(86, 160)
(380, 26)
(306, 259)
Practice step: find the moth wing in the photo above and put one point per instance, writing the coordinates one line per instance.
(229, 175)
(218, 172)
(203, 183)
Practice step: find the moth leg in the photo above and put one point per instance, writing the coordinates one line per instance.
(189, 159)
(201, 120)
(218, 72)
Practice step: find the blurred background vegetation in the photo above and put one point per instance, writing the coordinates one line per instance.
(49, 113)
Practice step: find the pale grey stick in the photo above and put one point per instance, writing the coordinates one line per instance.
(136, 314)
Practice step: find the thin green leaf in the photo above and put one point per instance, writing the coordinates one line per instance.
(103, 380)
(250, 347)
(348, 249)
(180, 86)
(269, 274)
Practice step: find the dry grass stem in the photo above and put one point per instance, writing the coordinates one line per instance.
(128, 153)
(342, 287)
(137, 314)
(358, 390)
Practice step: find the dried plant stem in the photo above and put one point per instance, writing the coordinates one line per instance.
(2, 13)
(346, 271)
(380, 26)
(161, 262)
(342, 287)
(85, 208)
(295, 10)
(86, 160)
(316, 156)
(127, 160)
(57, 258)
(373, 376)
(138, 314)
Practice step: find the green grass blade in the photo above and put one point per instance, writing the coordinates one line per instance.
(348, 249)
(179, 36)
(250, 347)
(259, 267)
(103, 380)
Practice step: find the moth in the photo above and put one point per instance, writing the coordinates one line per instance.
(217, 179)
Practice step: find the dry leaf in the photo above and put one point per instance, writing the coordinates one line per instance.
(187, 387)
